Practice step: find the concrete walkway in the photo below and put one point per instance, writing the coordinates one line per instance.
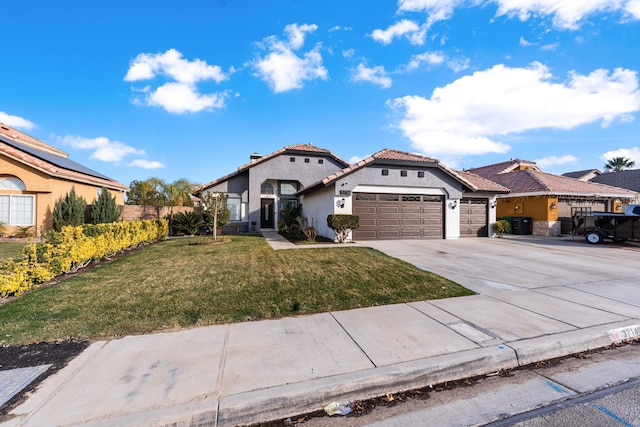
(538, 299)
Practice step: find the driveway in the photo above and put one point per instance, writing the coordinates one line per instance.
(557, 266)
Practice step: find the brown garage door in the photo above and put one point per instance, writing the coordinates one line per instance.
(564, 211)
(473, 218)
(398, 216)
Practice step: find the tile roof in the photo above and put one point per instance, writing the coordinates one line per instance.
(483, 184)
(47, 160)
(472, 182)
(16, 135)
(502, 167)
(533, 181)
(289, 149)
(629, 179)
(580, 174)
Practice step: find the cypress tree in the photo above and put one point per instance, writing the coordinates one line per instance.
(104, 210)
(69, 210)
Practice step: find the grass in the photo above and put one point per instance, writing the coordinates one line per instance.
(174, 285)
(10, 250)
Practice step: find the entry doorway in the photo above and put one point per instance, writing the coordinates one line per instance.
(267, 213)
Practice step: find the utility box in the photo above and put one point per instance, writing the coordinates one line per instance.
(520, 225)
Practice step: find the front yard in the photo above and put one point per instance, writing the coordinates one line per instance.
(10, 249)
(173, 285)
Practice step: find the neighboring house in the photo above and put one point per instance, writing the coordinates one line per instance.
(585, 175)
(629, 179)
(34, 175)
(549, 200)
(397, 195)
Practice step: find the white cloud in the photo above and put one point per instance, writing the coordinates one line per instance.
(469, 116)
(550, 47)
(632, 8)
(103, 148)
(437, 58)
(16, 121)
(147, 66)
(566, 14)
(282, 68)
(524, 42)
(146, 164)
(376, 75)
(436, 10)
(632, 153)
(180, 98)
(550, 161)
(431, 58)
(415, 33)
(348, 53)
(180, 94)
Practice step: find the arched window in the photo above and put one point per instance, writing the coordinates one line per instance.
(12, 183)
(266, 189)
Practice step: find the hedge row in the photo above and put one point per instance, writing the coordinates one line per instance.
(73, 248)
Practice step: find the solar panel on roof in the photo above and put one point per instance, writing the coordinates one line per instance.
(53, 159)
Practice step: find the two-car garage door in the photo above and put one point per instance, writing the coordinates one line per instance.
(413, 216)
(398, 216)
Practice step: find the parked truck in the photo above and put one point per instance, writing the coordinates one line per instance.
(597, 226)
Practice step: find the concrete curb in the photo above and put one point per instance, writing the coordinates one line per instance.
(565, 343)
(294, 399)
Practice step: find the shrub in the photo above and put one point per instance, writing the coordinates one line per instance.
(501, 226)
(104, 210)
(342, 225)
(72, 248)
(188, 223)
(69, 211)
(309, 231)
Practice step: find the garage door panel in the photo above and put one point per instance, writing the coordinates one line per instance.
(474, 217)
(394, 216)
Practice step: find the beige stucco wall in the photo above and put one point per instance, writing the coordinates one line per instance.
(47, 191)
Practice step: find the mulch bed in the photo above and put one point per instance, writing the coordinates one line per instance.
(58, 354)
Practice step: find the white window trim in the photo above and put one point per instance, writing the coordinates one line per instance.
(33, 209)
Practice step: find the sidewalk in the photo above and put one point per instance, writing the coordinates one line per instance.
(249, 372)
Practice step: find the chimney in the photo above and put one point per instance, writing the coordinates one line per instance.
(254, 156)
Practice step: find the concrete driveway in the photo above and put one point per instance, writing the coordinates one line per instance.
(490, 266)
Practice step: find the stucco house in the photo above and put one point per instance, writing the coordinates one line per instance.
(397, 195)
(629, 179)
(34, 175)
(260, 190)
(549, 200)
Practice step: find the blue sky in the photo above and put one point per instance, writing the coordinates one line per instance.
(135, 89)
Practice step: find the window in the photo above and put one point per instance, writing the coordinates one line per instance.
(12, 183)
(403, 173)
(98, 191)
(288, 188)
(233, 204)
(389, 197)
(266, 189)
(292, 159)
(320, 161)
(17, 209)
(306, 160)
(385, 172)
(421, 174)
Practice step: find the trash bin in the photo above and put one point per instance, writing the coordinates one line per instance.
(520, 225)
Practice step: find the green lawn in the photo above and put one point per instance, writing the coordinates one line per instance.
(176, 285)
(9, 250)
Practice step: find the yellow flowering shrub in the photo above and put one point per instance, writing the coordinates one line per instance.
(73, 248)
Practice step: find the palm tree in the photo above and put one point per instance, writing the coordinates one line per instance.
(178, 193)
(618, 164)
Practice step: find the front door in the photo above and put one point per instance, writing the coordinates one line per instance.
(267, 209)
